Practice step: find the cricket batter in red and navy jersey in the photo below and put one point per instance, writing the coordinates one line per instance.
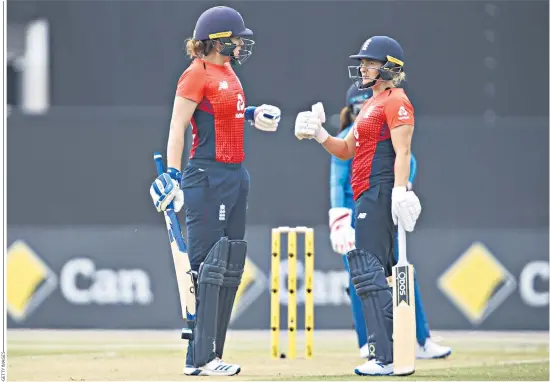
(214, 184)
(342, 234)
(380, 144)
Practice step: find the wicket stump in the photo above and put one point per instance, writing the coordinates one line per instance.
(292, 289)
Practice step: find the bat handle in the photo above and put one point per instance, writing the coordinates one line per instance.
(158, 163)
(402, 243)
(160, 170)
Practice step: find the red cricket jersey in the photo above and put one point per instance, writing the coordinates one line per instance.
(374, 155)
(218, 121)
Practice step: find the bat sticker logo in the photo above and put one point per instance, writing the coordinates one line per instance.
(402, 286)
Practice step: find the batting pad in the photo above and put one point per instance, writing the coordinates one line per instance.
(368, 277)
(228, 291)
(210, 279)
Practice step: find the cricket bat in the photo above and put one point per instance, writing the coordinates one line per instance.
(184, 277)
(404, 322)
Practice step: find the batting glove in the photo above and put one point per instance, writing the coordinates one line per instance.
(264, 117)
(166, 189)
(342, 235)
(405, 207)
(309, 124)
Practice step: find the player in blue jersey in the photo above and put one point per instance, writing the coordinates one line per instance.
(342, 233)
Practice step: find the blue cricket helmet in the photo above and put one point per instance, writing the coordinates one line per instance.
(380, 48)
(220, 24)
(217, 22)
(383, 49)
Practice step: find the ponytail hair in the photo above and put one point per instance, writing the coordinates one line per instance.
(198, 48)
(399, 78)
(345, 117)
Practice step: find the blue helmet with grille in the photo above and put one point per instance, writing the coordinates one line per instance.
(378, 48)
(221, 24)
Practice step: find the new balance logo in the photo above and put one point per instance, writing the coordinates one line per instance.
(362, 215)
(223, 85)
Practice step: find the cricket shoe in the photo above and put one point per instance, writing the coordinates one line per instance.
(374, 368)
(216, 367)
(432, 350)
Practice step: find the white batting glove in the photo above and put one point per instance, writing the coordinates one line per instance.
(309, 124)
(405, 207)
(166, 189)
(342, 235)
(301, 128)
(319, 110)
(267, 117)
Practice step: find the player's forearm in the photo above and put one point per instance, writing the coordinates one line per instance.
(174, 149)
(402, 168)
(338, 147)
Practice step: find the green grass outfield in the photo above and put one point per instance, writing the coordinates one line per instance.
(87, 355)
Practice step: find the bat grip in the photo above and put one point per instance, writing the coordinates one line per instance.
(412, 174)
(158, 163)
(160, 170)
(402, 243)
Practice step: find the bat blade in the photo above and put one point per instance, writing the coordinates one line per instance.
(404, 322)
(184, 277)
(186, 286)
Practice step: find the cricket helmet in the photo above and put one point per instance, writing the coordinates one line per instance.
(220, 24)
(378, 48)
